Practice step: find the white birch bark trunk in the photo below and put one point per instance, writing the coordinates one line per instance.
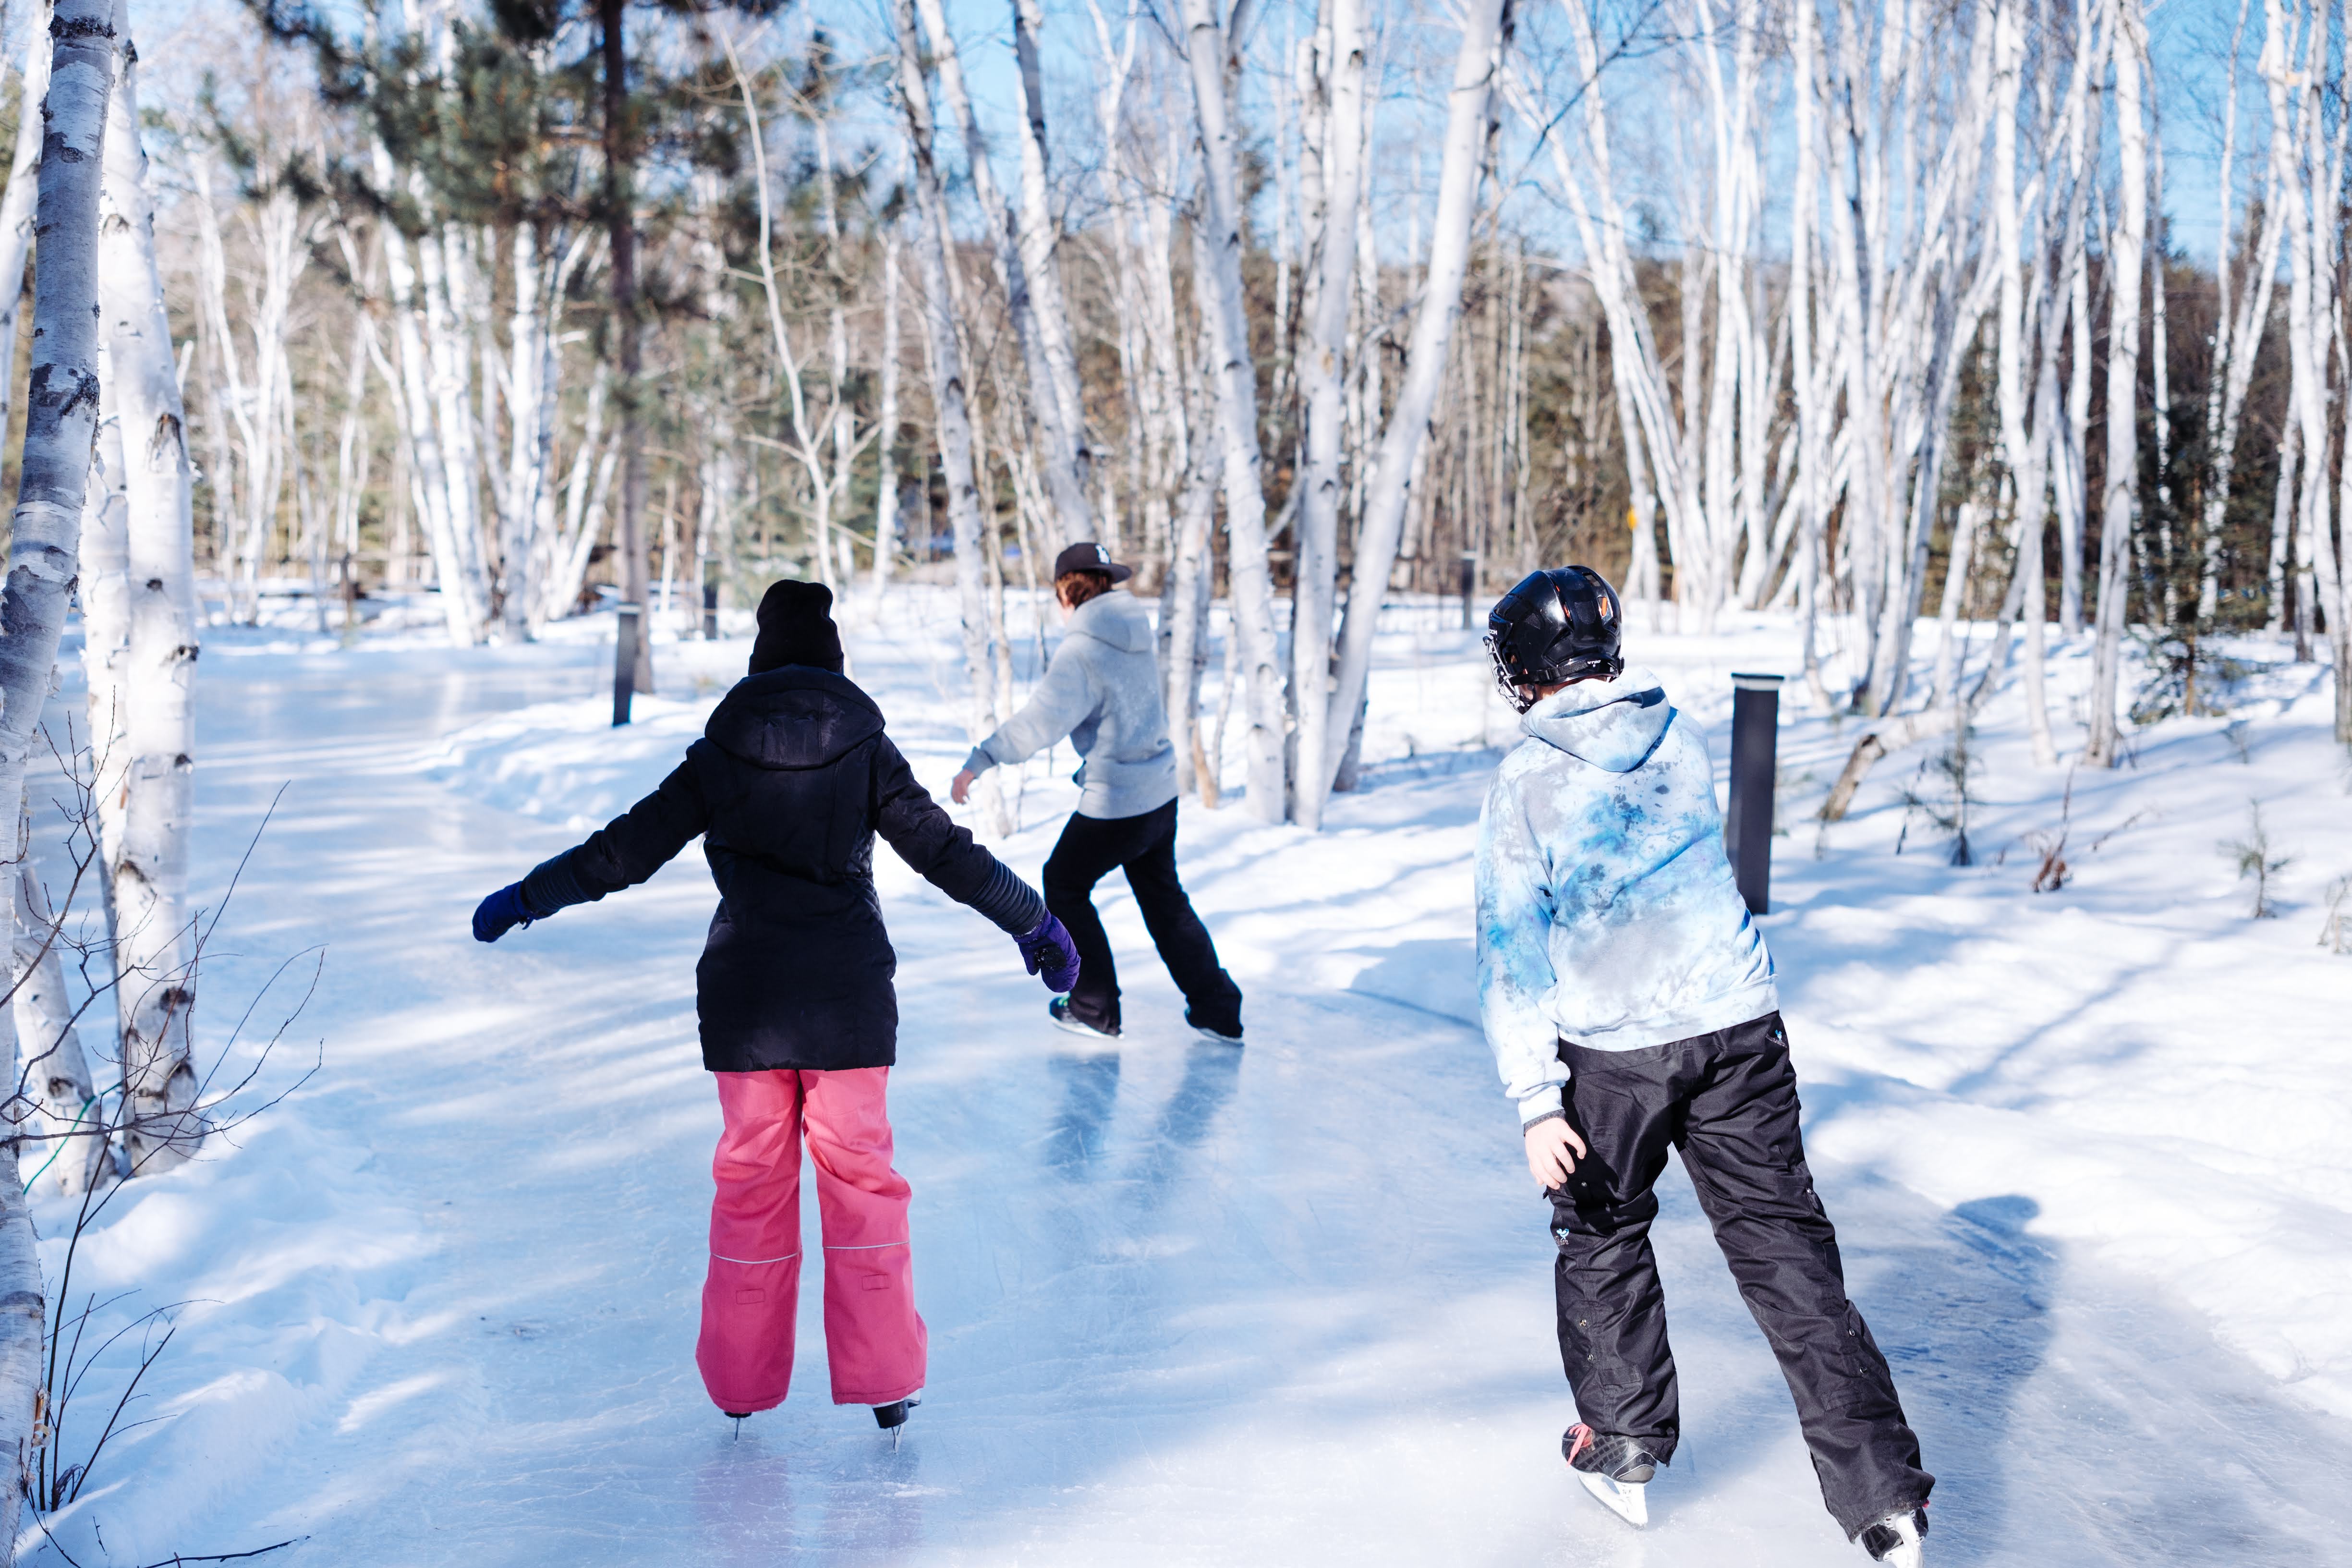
(950, 409)
(55, 1070)
(1477, 66)
(1323, 388)
(61, 410)
(2074, 504)
(2021, 453)
(1040, 238)
(465, 599)
(1813, 444)
(103, 586)
(2120, 504)
(1247, 570)
(587, 490)
(1070, 504)
(1664, 477)
(147, 864)
(2236, 352)
(16, 206)
(531, 408)
(839, 419)
(808, 436)
(886, 494)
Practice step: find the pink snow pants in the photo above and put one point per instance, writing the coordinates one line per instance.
(872, 1338)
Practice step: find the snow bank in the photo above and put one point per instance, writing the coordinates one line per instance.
(564, 763)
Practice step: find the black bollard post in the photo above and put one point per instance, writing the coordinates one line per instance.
(1755, 747)
(625, 664)
(1469, 591)
(711, 611)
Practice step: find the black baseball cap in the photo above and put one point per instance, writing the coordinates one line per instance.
(1090, 556)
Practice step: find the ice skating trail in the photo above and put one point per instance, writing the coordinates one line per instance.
(2086, 1153)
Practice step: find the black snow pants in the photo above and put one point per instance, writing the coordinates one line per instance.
(1728, 1102)
(1090, 847)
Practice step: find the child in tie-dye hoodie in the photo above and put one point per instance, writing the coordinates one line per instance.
(1630, 1005)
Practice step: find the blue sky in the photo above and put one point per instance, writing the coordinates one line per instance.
(2189, 38)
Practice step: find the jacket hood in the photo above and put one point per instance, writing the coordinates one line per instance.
(1120, 621)
(1613, 724)
(796, 716)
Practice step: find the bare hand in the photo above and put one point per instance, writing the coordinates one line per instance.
(961, 790)
(1549, 1156)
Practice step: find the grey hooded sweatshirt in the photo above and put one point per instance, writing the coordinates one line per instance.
(1102, 690)
(1607, 913)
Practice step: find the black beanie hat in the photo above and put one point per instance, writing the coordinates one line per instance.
(796, 628)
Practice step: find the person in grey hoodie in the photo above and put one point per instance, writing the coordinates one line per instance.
(1632, 1006)
(1102, 690)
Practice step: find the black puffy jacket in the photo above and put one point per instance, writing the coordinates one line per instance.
(788, 786)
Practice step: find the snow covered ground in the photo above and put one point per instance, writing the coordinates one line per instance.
(2087, 1151)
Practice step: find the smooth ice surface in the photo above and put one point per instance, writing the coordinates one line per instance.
(2086, 1151)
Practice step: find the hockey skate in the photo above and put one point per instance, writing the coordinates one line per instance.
(1215, 1037)
(1615, 1470)
(1058, 1009)
(1895, 1539)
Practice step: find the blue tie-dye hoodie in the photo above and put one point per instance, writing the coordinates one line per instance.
(1607, 914)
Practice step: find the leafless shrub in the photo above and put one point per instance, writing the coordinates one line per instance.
(2336, 932)
(2051, 874)
(124, 1139)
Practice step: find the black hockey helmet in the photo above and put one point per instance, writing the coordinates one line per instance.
(1560, 625)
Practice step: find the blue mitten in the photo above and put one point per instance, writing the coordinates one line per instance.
(501, 913)
(1049, 953)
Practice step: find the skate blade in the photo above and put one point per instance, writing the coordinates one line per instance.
(1630, 1503)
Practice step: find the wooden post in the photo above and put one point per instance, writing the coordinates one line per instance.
(1469, 591)
(1748, 826)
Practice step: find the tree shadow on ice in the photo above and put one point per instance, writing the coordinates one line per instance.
(1967, 1326)
(1428, 974)
(1089, 1088)
(2067, 1410)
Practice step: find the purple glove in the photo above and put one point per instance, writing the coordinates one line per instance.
(1049, 953)
(501, 913)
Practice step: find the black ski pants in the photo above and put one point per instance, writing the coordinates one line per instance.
(1727, 1101)
(1145, 846)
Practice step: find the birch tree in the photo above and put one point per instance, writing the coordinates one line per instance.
(16, 203)
(2119, 507)
(1334, 173)
(56, 1068)
(934, 240)
(2237, 336)
(1024, 305)
(60, 430)
(1040, 235)
(1247, 569)
(1469, 125)
(886, 492)
(147, 862)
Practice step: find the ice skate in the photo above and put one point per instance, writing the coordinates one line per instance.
(738, 1418)
(1059, 1009)
(1214, 1037)
(892, 1417)
(1895, 1539)
(1615, 1470)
